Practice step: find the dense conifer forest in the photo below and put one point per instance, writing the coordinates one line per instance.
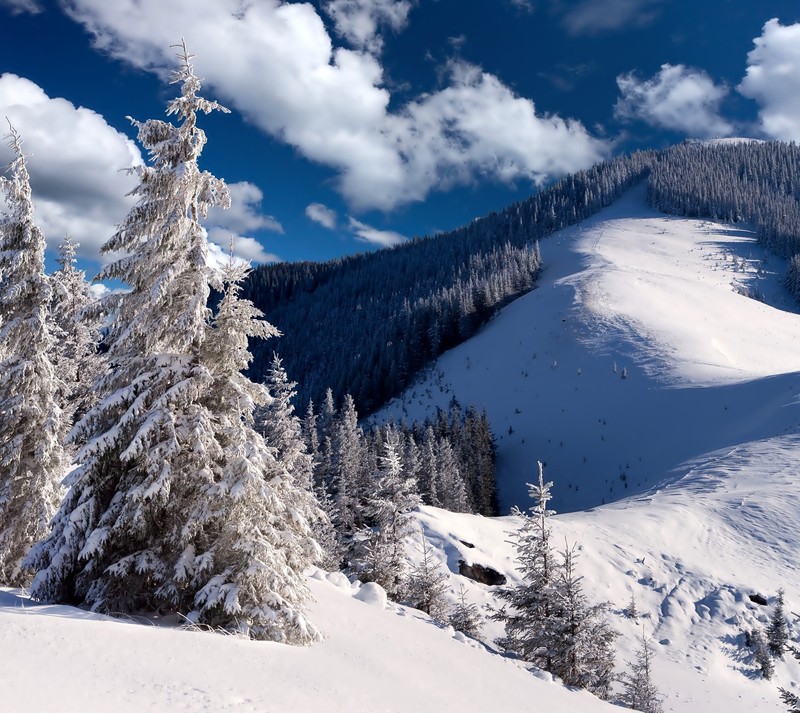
(366, 324)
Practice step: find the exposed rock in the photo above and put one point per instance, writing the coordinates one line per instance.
(480, 573)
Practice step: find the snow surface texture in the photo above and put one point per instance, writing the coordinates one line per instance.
(704, 428)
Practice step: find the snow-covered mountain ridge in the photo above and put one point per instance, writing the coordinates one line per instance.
(637, 352)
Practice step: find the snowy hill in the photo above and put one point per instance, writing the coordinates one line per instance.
(643, 375)
(637, 352)
(392, 659)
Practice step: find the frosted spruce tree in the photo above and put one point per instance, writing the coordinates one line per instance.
(247, 565)
(640, 693)
(427, 583)
(777, 633)
(32, 424)
(380, 553)
(465, 616)
(78, 320)
(533, 622)
(166, 487)
(582, 651)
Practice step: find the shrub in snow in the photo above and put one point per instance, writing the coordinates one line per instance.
(427, 584)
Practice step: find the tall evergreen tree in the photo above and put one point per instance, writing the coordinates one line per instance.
(32, 424)
(119, 533)
(254, 509)
(178, 503)
(531, 624)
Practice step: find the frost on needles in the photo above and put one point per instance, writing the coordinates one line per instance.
(177, 504)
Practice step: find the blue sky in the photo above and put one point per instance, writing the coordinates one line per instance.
(360, 123)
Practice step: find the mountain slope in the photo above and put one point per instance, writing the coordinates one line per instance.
(636, 352)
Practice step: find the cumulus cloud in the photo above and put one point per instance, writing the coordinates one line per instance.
(773, 80)
(678, 98)
(245, 249)
(368, 234)
(226, 227)
(591, 17)
(245, 214)
(75, 160)
(17, 7)
(321, 214)
(359, 21)
(330, 103)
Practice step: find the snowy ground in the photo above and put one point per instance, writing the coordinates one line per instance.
(696, 453)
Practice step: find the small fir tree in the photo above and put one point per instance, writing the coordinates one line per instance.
(380, 551)
(427, 584)
(582, 640)
(32, 423)
(761, 654)
(532, 621)
(777, 634)
(465, 616)
(640, 693)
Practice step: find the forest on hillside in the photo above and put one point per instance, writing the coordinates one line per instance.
(367, 324)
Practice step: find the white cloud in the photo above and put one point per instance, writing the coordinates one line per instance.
(17, 7)
(75, 160)
(678, 98)
(245, 214)
(368, 234)
(359, 21)
(244, 249)
(330, 103)
(321, 214)
(591, 17)
(773, 80)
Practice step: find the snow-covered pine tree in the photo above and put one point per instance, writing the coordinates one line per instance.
(427, 583)
(761, 654)
(582, 651)
(32, 424)
(640, 693)
(532, 621)
(78, 319)
(114, 544)
(380, 549)
(178, 503)
(281, 428)
(245, 567)
(777, 635)
(122, 527)
(465, 616)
